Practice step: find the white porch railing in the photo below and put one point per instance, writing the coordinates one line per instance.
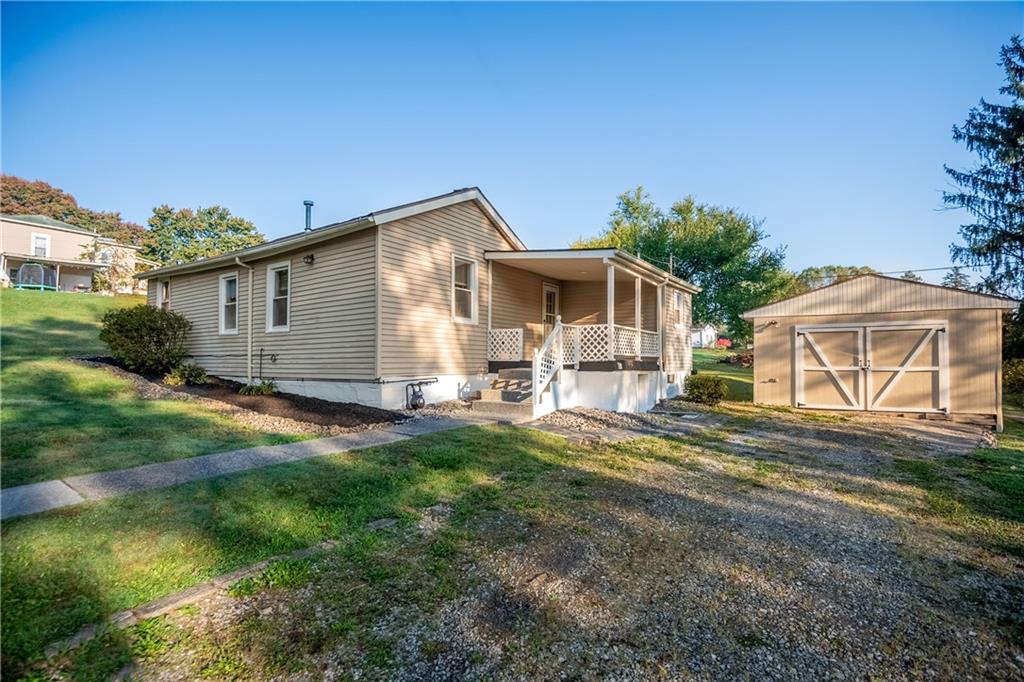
(505, 344)
(548, 360)
(625, 340)
(650, 344)
(580, 343)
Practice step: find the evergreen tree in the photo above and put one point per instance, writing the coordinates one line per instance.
(993, 191)
(911, 276)
(956, 279)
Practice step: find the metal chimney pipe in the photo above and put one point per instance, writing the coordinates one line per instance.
(309, 213)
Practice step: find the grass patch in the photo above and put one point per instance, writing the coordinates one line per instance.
(61, 419)
(740, 380)
(288, 573)
(68, 568)
(991, 504)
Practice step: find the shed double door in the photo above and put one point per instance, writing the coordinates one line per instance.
(885, 366)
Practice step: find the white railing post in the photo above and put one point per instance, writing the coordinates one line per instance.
(579, 345)
(536, 376)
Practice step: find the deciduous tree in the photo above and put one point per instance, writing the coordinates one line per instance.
(19, 196)
(184, 235)
(718, 249)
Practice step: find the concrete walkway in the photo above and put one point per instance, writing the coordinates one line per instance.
(39, 497)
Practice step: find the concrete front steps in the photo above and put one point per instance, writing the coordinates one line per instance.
(510, 395)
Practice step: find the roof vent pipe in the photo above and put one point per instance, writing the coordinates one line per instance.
(309, 213)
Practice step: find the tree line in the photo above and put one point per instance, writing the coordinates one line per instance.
(171, 235)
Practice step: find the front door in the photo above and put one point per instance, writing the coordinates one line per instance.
(891, 367)
(550, 308)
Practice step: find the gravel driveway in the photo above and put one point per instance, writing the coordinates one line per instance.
(768, 546)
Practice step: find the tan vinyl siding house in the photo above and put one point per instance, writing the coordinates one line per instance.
(67, 255)
(875, 343)
(426, 293)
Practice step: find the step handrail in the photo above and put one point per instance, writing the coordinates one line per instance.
(547, 360)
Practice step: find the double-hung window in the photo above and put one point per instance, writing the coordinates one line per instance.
(678, 295)
(278, 296)
(163, 294)
(229, 303)
(464, 290)
(40, 245)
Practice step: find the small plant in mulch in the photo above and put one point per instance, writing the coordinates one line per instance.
(145, 339)
(262, 388)
(186, 373)
(706, 389)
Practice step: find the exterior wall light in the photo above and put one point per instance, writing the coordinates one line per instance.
(308, 259)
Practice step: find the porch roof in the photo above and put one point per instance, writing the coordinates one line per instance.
(82, 264)
(586, 265)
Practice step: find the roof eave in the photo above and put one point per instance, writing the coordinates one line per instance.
(265, 250)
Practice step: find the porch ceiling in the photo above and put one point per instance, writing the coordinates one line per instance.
(586, 265)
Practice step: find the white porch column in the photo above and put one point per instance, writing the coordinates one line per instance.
(57, 283)
(660, 324)
(611, 312)
(637, 286)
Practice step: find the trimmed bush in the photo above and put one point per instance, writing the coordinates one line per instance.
(1013, 376)
(186, 373)
(145, 339)
(262, 388)
(706, 389)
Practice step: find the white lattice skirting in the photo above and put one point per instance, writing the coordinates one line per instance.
(505, 344)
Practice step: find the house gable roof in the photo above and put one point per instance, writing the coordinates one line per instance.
(873, 293)
(46, 221)
(388, 215)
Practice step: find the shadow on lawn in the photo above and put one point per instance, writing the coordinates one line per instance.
(62, 419)
(48, 337)
(674, 566)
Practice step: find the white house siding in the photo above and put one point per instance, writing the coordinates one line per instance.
(419, 337)
(678, 346)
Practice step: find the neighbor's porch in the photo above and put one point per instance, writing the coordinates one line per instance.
(600, 310)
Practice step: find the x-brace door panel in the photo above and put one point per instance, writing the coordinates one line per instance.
(887, 366)
(828, 367)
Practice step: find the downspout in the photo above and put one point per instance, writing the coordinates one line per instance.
(249, 315)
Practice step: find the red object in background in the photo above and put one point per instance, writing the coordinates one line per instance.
(723, 343)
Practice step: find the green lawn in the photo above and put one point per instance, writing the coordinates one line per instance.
(61, 419)
(66, 569)
(506, 486)
(739, 379)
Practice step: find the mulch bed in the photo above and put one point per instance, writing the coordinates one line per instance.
(298, 407)
(287, 405)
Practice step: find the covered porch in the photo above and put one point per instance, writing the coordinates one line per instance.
(600, 307)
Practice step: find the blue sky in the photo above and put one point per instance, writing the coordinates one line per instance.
(830, 121)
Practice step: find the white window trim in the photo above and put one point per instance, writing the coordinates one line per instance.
(474, 288)
(677, 303)
(222, 300)
(160, 293)
(32, 246)
(270, 297)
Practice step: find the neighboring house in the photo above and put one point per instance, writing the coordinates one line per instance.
(882, 344)
(62, 256)
(705, 337)
(440, 291)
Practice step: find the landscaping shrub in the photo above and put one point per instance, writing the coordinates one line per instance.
(186, 373)
(262, 388)
(706, 389)
(1013, 376)
(145, 339)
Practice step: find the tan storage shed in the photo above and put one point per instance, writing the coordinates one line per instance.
(881, 344)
